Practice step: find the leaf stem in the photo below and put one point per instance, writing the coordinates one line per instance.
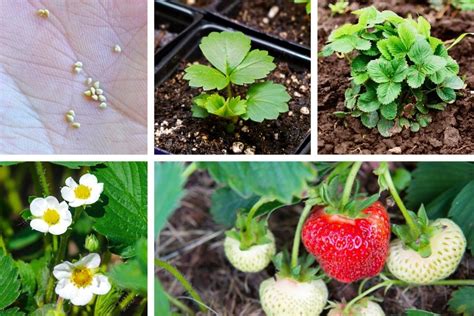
(229, 91)
(190, 169)
(346, 195)
(55, 243)
(42, 178)
(399, 202)
(297, 239)
(180, 277)
(365, 293)
(186, 310)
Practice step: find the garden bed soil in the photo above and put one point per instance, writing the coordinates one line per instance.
(450, 132)
(290, 23)
(163, 36)
(177, 132)
(230, 292)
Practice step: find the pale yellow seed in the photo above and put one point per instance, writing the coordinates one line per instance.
(103, 105)
(89, 81)
(92, 90)
(97, 84)
(99, 91)
(76, 125)
(117, 49)
(46, 13)
(88, 93)
(95, 97)
(77, 69)
(43, 13)
(70, 118)
(71, 112)
(102, 98)
(78, 64)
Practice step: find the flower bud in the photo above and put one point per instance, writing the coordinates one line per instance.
(92, 243)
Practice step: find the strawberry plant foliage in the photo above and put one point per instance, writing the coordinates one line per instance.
(399, 71)
(234, 63)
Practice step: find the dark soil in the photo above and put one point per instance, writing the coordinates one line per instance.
(451, 131)
(230, 292)
(198, 3)
(163, 36)
(290, 23)
(178, 132)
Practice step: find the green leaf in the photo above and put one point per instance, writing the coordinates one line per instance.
(396, 47)
(446, 94)
(227, 108)
(420, 51)
(380, 70)
(382, 45)
(370, 120)
(27, 276)
(360, 78)
(368, 101)
(359, 64)
(265, 101)
(47, 310)
(424, 27)
(418, 312)
(439, 76)
(24, 238)
(415, 78)
(461, 301)
(132, 275)
(401, 178)
(389, 111)
(10, 283)
(169, 189)
(15, 311)
(461, 212)
(206, 77)
(278, 180)
(385, 127)
(226, 203)
(256, 65)
(351, 94)
(106, 304)
(125, 218)
(76, 164)
(453, 82)
(225, 50)
(432, 64)
(388, 92)
(162, 305)
(342, 45)
(198, 111)
(452, 65)
(406, 33)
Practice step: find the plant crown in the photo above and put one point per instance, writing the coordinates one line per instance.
(235, 63)
(399, 71)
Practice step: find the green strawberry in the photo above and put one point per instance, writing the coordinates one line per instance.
(255, 258)
(364, 307)
(288, 297)
(447, 244)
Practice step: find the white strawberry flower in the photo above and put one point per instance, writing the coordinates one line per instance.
(79, 281)
(87, 192)
(50, 216)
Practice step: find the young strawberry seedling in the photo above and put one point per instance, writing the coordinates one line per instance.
(308, 5)
(339, 7)
(399, 71)
(234, 63)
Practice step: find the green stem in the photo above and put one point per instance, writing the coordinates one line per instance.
(229, 91)
(186, 310)
(42, 178)
(365, 293)
(180, 277)
(3, 246)
(59, 304)
(55, 243)
(254, 210)
(346, 194)
(399, 202)
(190, 169)
(297, 239)
(453, 282)
(126, 301)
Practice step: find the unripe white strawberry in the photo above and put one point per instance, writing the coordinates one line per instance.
(288, 297)
(364, 307)
(447, 249)
(254, 259)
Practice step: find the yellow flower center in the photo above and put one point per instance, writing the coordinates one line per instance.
(51, 217)
(82, 192)
(81, 276)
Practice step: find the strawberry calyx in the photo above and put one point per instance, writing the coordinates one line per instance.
(249, 233)
(302, 272)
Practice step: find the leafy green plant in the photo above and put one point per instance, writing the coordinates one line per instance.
(339, 7)
(399, 71)
(308, 5)
(463, 5)
(235, 64)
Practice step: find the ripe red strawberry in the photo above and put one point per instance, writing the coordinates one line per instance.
(349, 249)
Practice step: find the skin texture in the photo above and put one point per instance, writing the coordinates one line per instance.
(38, 86)
(348, 249)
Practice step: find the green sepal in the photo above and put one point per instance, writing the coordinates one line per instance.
(302, 272)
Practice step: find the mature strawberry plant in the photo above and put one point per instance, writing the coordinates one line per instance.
(399, 71)
(80, 247)
(234, 63)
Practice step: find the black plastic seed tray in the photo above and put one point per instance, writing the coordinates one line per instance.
(295, 55)
(178, 19)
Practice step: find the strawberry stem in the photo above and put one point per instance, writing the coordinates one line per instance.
(346, 194)
(393, 191)
(254, 210)
(180, 277)
(296, 241)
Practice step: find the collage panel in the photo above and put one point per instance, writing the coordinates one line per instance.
(73, 238)
(314, 238)
(232, 77)
(73, 77)
(395, 77)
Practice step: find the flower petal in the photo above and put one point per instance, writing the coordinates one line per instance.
(52, 202)
(93, 198)
(66, 289)
(68, 194)
(88, 180)
(91, 261)
(101, 285)
(71, 183)
(59, 228)
(83, 297)
(38, 206)
(63, 270)
(39, 225)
